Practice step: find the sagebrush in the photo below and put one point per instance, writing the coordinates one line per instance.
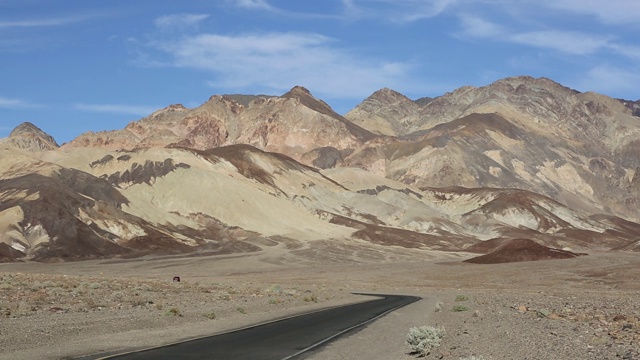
(424, 339)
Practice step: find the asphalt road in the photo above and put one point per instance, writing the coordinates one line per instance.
(283, 339)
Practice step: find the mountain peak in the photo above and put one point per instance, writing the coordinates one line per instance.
(307, 99)
(387, 95)
(26, 127)
(29, 137)
(533, 83)
(385, 112)
(301, 89)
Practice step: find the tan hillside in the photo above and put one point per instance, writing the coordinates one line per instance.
(522, 158)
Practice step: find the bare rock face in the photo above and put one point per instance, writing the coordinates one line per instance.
(294, 124)
(27, 136)
(633, 106)
(386, 112)
(578, 148)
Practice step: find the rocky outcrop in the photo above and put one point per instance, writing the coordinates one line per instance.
(386, 112)
(578, 148)
(27, 136)
(293, 124)
(633, 106)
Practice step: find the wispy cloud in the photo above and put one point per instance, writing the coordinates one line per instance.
(179, 20)
(570, 42)
(614, 12)
(632, 52)
(45, 22)
(253, 4)
(399, 11)
(117, 109)
(265, 7)
(277, 61)
(9, 103)
(609, 79)
(477, 27)
(564, 41)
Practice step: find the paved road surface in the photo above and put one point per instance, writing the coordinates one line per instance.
(279, 340)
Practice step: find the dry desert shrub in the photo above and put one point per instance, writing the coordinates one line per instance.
(459, 308)
(424, 339)
(173, 312)
(310, 298)
(210, 315)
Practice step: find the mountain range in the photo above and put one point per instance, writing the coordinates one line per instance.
(521, 158)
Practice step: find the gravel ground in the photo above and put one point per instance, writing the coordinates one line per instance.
(53, 316)
(583, 308)
(508, 325)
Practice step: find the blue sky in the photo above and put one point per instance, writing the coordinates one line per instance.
(71, 66)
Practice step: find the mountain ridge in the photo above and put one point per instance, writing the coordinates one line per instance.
(521, 158)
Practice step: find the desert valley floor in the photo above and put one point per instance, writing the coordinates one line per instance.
(581, 308)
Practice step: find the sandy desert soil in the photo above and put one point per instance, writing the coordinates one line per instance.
(581, 308)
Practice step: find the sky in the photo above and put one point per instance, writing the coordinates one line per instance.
(71, 66)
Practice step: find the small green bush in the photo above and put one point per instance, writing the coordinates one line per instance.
(462, 298)
(95, 286)
(6, 286)
(310, 298)
(424, 339)
(212, 315)
(439, 306)
(459, 308)
(241, 310)
(223, 295)
(174, 312)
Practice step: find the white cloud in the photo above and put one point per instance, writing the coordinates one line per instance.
(396, 10)
(626, 50)
(477, 27)
(608, 79)
(117, 109)
(278, 61)
(564, 41)
(613, 12)
(179, 20)
(9, 103)
(53, 21)
(253, 4)
(570, 42)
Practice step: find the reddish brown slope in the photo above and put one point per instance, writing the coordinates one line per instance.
(519, 250)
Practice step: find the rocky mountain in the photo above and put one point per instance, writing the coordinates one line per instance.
(578, 148)
(292, 124)
(634, 106)
(386, 112)
(521, 158)
(30, 137)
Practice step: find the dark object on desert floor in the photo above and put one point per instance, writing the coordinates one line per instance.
(176, 279)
